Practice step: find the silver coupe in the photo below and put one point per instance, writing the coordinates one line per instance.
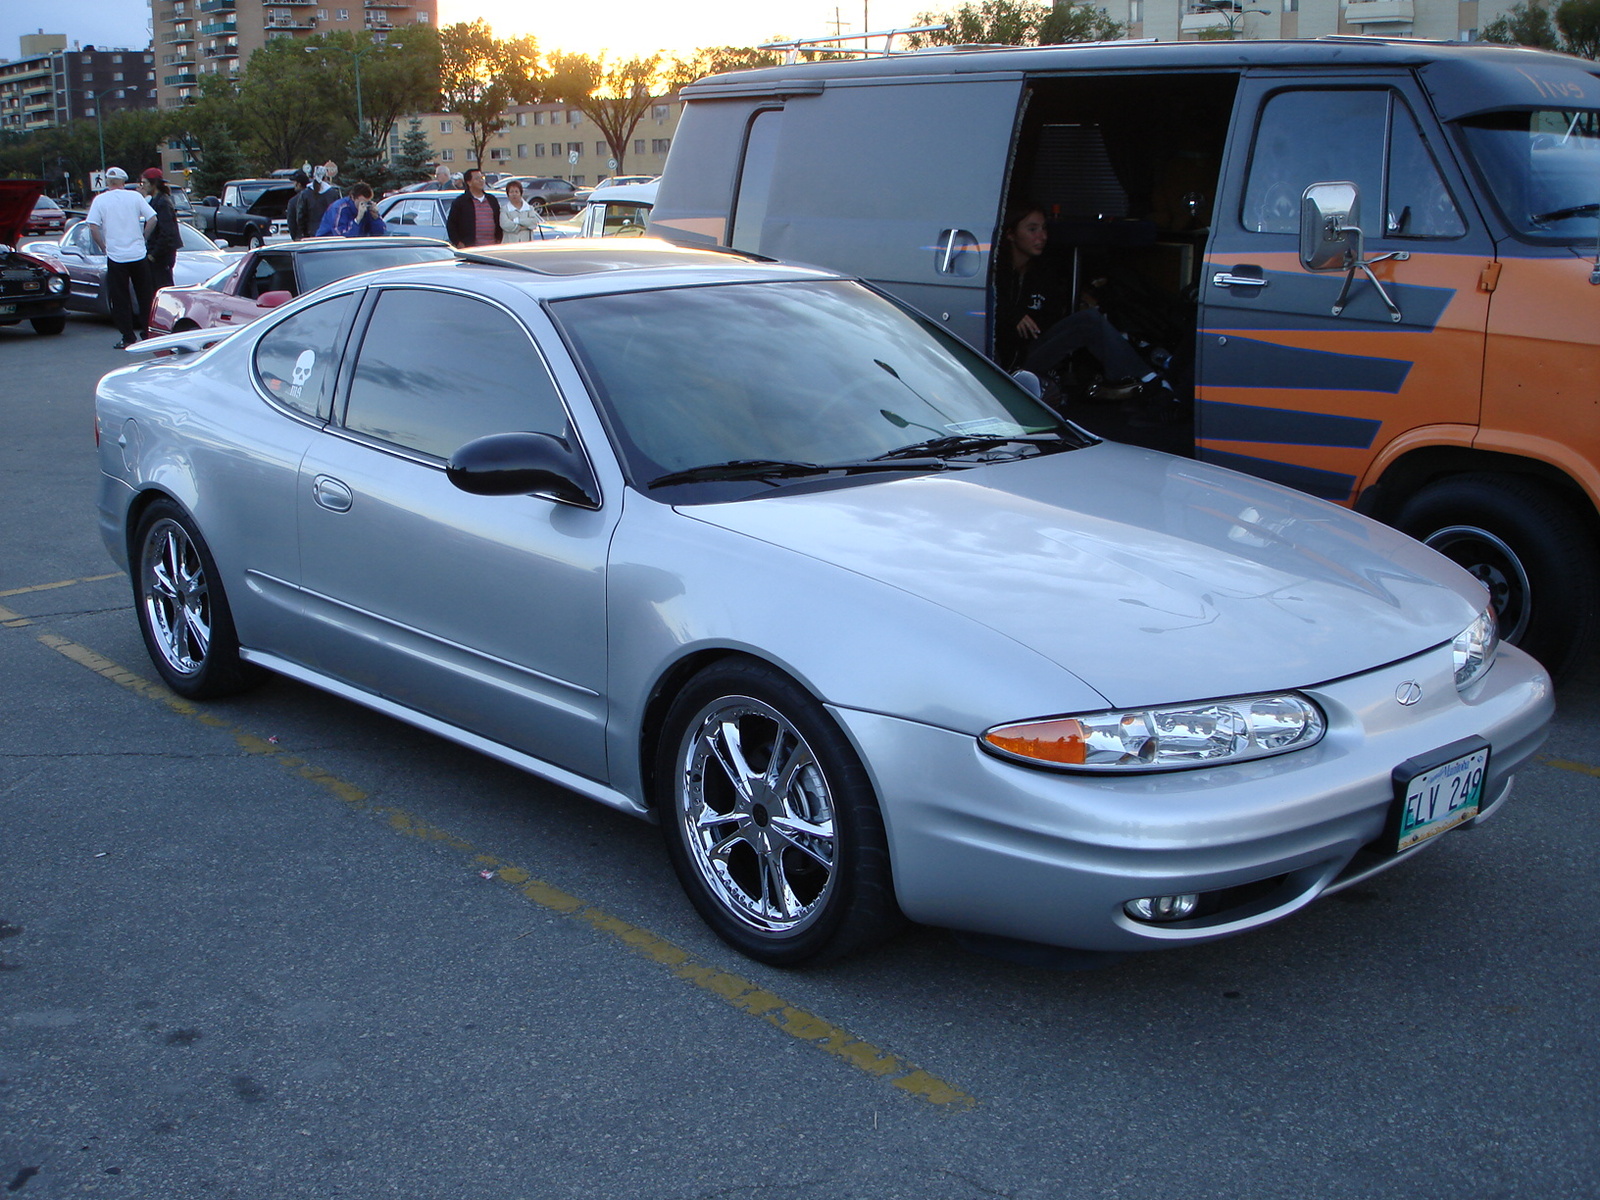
(756, 552)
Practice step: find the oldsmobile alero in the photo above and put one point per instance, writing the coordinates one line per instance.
(754, 551)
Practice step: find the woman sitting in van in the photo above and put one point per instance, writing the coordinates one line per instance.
(1035, 330)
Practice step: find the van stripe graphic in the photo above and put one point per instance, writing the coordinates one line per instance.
(1246, 362)
(1327, 485)
(1219, 422)
(1300, 302)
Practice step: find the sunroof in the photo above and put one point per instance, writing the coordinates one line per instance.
(595, 255)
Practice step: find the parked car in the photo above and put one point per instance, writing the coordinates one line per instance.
(263, 279)
(612, 181)
(47, 217)
(76, 253)
(423, 215)
(621, 211)
(249, 211)
(32, 289)
(1467, 172)
(548, 193)
(183, 206)
(754, 550)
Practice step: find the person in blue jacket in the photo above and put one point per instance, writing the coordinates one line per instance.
(354, 216)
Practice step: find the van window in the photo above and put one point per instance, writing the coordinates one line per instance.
(755, 179)
(1366, 136)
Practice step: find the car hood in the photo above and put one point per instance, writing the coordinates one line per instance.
(17, 197)
(1152, 579)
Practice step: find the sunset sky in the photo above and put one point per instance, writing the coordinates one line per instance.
(621, 27)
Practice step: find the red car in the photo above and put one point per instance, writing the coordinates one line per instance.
(273, 275)
(31, 289)
(47, 218)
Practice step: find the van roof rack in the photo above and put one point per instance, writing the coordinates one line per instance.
(837, 44)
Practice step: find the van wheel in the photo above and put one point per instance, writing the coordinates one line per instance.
(770, 820)
(1529, 549)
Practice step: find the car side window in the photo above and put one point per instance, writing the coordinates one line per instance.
(295, 359)
(81, 240)
(436, 370)
(271, 272)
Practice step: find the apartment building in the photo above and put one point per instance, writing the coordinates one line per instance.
(552, 139)
(50, 84)
(194, 38)
(1175, 20)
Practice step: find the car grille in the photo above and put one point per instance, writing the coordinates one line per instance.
(21, 281)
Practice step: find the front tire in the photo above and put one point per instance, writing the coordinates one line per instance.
(770, 819)
(254, 239)
(48, 326)
(1528, 547)
(183, 612)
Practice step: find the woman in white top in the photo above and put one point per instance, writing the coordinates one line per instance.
(517, 219)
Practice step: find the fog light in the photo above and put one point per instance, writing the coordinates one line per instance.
(1162, 908)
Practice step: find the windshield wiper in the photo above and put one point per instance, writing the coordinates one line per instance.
(967, 443)
(1575, 210)
(771, 470)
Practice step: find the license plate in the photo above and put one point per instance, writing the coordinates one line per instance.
(1437, 792)
(7, 309)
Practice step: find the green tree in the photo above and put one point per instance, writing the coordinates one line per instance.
(480, 76)
(1529, 23)
(614, 96)
(1017, 23)
(1579, 23)
(288, 108)
(397, 76)
(414, 163)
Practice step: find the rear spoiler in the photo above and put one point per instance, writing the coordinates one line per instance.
(188, 342)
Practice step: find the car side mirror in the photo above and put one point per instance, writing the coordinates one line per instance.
(212, 202)
(273, 299)
(1029, 382)
(519, 464)
(221, 243)
(1330, 226)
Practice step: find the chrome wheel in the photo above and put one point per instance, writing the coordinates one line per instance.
(176, 596)
(757, 815)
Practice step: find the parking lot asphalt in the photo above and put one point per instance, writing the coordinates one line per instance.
(278, 946)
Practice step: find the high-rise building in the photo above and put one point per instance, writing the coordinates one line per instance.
(51, 84)
(195, 38)
(1175, 20)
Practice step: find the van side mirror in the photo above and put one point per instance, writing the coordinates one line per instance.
(1330, 226)
(1331, 240)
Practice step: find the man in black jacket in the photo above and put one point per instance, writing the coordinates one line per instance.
(310, 202)
(474, 218)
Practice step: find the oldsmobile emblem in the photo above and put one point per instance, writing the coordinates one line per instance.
(1409, 692)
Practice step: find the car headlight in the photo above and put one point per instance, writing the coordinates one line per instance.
(57, 284)
(1475, 648)
(1155, 739)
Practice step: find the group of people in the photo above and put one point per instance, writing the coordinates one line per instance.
(477, 218)
(318, 210)
(137, 229)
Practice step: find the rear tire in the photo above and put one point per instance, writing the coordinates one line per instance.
(1528, 547)
(183, 611)
(770, 819)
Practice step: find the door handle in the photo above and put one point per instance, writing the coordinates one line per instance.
(331, 494)
(1226, 279)
(951, 253)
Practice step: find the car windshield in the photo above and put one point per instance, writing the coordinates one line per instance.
(45, 204)
(193, 239)
(1543, 168)
(757, 380)
(324, 266)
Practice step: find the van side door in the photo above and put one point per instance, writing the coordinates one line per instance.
(897, 180)
(1286, 389)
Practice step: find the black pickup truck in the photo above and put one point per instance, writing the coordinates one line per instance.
(248, 212)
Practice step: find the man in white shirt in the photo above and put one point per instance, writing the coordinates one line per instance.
(118, 219)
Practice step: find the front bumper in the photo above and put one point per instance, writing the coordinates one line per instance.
(990, 847)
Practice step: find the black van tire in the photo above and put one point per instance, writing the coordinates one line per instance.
(717, 835)
(1531, 550)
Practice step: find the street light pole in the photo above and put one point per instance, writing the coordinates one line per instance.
(1230, 12)
(100, 126)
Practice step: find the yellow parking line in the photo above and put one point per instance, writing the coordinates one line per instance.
(1567, 764)
(47, 587)
(732, 989)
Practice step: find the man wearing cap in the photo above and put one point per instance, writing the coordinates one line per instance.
(119, 220)
(297, 228)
